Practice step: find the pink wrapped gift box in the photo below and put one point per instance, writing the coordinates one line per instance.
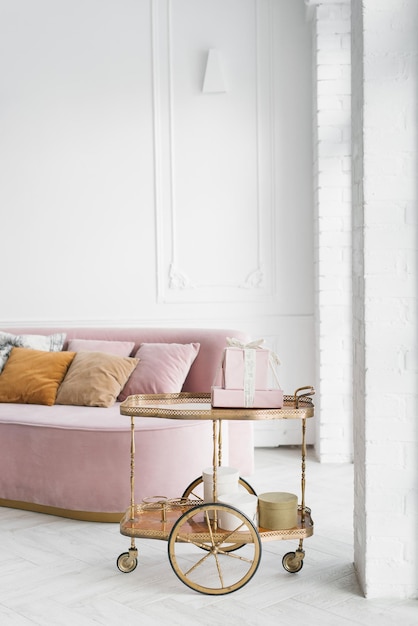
(235, 398)
(234, 368)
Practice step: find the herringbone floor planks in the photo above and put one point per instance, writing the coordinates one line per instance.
(58, 572)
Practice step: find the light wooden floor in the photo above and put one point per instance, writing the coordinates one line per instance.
(57, 572)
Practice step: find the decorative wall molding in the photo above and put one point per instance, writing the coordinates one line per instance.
(180, 279)
(253, 280)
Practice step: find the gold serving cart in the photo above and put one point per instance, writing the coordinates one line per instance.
(205, 556)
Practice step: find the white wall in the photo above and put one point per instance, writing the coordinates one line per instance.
(130, 197)
(385, 244)
(333, 269)
(77, 177)
(367, 303)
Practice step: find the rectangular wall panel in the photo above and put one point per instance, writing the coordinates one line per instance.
(214, 204)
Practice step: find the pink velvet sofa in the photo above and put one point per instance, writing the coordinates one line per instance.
(74, 461)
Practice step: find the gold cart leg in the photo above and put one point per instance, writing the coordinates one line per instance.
(219, 443)
(132, 478)
(293, 561)
(133, 551)
(127, 561)
(303, 479)
(215, 458)
(215, 465)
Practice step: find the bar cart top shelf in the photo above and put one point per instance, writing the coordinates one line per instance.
(197, 406)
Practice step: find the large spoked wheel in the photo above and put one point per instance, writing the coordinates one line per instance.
(213, 527)
(195, 490)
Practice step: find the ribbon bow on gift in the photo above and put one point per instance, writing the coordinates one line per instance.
(236, 343)
(251, 345)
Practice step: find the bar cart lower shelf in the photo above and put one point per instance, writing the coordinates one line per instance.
(206, 554)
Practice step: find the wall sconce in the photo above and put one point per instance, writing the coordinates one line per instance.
(213, 81)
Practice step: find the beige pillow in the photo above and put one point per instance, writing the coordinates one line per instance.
(33, 376)
(95, 379)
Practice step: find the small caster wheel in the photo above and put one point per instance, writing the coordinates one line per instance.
(126, 562)
(293, 562)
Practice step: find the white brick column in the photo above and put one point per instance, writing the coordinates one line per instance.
(332, 179)
(385, 192)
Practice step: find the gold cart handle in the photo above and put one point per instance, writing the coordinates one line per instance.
(309, 391)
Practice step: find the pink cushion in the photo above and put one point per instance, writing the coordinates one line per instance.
(119, 348)
(162, 368)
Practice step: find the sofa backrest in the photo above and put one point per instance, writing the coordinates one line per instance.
(203, 371)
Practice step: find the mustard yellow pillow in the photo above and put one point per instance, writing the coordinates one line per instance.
(33, 376)
(95, 379)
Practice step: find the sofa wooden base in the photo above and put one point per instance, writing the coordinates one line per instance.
(84, 516)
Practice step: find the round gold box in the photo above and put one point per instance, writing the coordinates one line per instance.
(277, 510)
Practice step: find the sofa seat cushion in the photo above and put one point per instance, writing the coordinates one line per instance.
(83, 418)
(77, 459)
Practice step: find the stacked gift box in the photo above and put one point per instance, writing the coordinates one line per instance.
(245, 378)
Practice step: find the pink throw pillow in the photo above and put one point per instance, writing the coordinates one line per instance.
(162, 368)
(118, 348)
